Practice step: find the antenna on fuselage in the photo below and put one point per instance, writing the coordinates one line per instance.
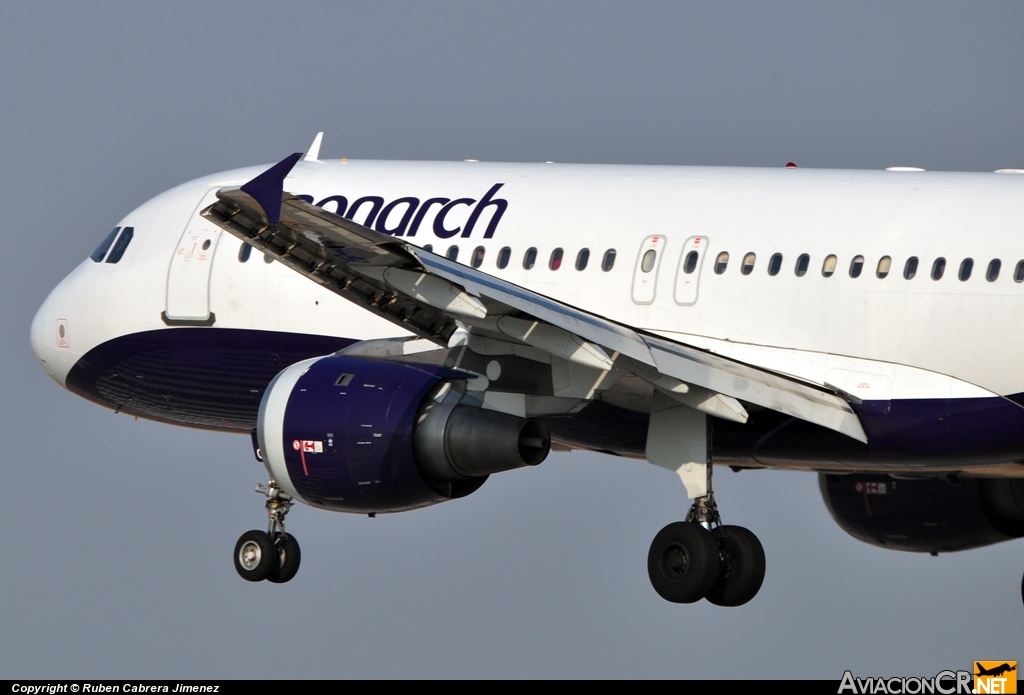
(313, 155)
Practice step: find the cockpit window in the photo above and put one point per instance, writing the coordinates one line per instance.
(121, 244)
(101, 250)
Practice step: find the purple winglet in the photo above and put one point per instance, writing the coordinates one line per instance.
(268, 187)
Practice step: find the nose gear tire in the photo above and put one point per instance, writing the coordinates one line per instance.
(288, 559)
(255, 556)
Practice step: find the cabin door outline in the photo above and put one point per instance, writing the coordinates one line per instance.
(188, 276)
(691, 263)
(645, 273)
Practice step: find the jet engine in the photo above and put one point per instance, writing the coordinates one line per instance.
(930, 515)
(361, 435)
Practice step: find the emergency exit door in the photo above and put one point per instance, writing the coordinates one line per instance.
(691, 260)
(645, 274)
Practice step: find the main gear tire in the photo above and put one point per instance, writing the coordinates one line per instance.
(683, 562)
(742, 570)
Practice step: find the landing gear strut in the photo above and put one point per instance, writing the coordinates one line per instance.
(700, 558)
(272, 554)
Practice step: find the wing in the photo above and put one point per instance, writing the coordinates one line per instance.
(434, 298)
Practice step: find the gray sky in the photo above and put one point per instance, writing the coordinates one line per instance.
(119, 532)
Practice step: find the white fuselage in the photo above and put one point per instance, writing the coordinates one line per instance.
(870, 336)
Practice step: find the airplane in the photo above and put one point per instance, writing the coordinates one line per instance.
(995, 670)
(390, 334)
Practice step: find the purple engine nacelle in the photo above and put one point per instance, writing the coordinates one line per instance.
(929, 515)
(365, 436)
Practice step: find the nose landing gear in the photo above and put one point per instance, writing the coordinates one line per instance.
(273, 554)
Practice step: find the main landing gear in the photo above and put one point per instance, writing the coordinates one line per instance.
(272, 554)
(700, 558)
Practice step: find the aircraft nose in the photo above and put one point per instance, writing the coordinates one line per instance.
(50, 335)
(36, 336)
(39, 347)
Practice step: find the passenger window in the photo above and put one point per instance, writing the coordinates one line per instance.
(1018, 273)
(748, 264)
(775, 264)
(101, 250)
(966, 266)
(691, 262)
(608, 262)
(478, 257)
(884, 265)
(992, 274)
(530, 258)
(121, 244)
(801, 265)
(503, 257)
(647, 264)
(555, 262)
(910, 269)
(428, 247)
(828, 268)
(244, 252)
(582, 258)
(721, 263)
(206, 245)
(267, 258)
(856, 266)
(938, 268)
(453, 253)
